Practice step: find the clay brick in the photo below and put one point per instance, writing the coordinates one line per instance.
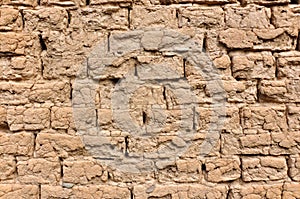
(294, 117)
(19, 2)
(183, 171)
(258, 39)
(263, 168)
(99, 2)
(291, 190)
(62, 118)
(43, 171)
(82, 172)
(17, 143)
(141, 17)
(19, 44)
(52, 145)
(264, 119)
(201, 17)
(108, 18)
(70, 42)
(45, 18)
(10, 19)
(294, 167)
(19, 68)
(7, 167)
(286, 16)
(8, 191)
(279, 91)
(3, 115)
(222, 169)
(267, 2)
(14, 93)
(288, 65)
(257, 191)
(179, 191)
(240, 91)
(50, 91)
(251, 16)
(96, 191)
(63, 67)
(64, 2)
(253, 65)
(21, 118)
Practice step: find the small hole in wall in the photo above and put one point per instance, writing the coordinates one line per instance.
(298, 42)
(295, 2)
(203, 167)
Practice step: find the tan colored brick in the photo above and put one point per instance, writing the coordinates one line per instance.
(108, 18)
(63, 2)
(291, 190)
(18, 191)
(267, 2)
(99, 2)
(62, 118)
(141, 17)
(240, 91)
(201, 17)
(3, 116)
(19, 2)
(251, 16)
(82, 172)
(263, 168)
(286, 16)
(294, 167)
(19, 43)
(17, 143)
(253, 65)
(10, 19)
(38, 170)
(287, 65)
(52, 145)
(99, 191)
(14, 93)
(19, 68)
(21, 118)
(272, 191)
(264, 118)
(179, 191)
(45, 18)
(222, 169)
(7, 167)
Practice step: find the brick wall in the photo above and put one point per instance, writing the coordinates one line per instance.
(254, 46)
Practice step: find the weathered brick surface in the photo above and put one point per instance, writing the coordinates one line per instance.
(90, 109)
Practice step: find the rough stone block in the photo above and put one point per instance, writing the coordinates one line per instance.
(201, 17)
(180, 191)
(19, 2)
(141, 17)
(291, 190)
(279, 91)
(44, 171)
(17, 143)
(257, 191)
(8, 191)
(76, 3)
(258, 39)
(294, 167)
(10, 19)
(14, 93)
(19, 44)
(62, 118)
(95, 191)
(7, 167)
(3, 116)
(263, 168)
(82, 172)
(53, 145)
(222, 169)
(108, 18)
(288, 65)
(264, 119)
(253, 65)
(251, 16)
(241, 91)
(19, 68)
(100, 2)
(286, 16)
(44, 19)
(21, 118)
(293, 117)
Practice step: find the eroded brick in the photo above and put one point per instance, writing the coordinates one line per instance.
(17, 143)
(8, 191)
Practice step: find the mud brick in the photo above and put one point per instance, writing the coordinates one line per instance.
(17, 143)
(16, 190)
